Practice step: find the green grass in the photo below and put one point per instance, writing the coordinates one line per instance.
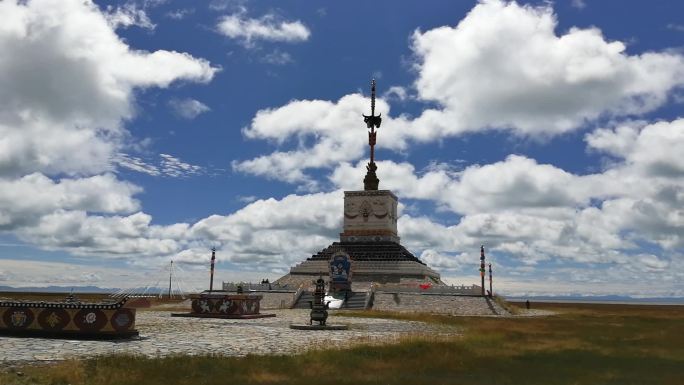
(582, 344)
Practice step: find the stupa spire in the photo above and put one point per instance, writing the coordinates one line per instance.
(371, 181)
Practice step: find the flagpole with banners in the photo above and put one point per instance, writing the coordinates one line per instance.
(482, 268)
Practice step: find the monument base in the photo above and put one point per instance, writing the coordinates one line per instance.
(221, 305)
(318, 327)
(223, 316)
(70, 334)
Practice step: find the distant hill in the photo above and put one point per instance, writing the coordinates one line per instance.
(59, 289)
(80, 289)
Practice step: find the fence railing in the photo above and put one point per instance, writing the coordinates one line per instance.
(297, 294)
(370, 296)
(249, 286)
(454, 289)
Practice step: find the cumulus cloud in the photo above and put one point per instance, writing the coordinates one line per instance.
(396, 93)
(517, 183)
(268, 27)
(24, 200)
(188, 108)
(104, 236)
(651, 148)
(502, 67)
(68, 86)
(276, 232)
(127, 15)
(68, 89)
(523, 210)
(303, 119)
(537, 212)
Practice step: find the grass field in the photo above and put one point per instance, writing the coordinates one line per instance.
(581, 344)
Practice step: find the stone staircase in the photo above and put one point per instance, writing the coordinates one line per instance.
(355, 300)
(303, 301)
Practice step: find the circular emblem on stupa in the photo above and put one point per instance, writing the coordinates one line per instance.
(202, 305)
(53, 319)
(18, 318)
(122, 319)
(90, 320)
(225, 306)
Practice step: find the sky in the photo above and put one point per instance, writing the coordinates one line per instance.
(137, 132)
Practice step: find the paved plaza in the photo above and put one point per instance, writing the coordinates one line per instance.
(161, 335)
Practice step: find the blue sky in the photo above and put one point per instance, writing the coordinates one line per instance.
(136, 132)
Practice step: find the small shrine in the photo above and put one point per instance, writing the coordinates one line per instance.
(319, 311)
(70, 318)
(221, 304)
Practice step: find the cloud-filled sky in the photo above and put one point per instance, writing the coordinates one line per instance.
(136, 132)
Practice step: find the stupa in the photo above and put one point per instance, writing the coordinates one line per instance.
(369, 236)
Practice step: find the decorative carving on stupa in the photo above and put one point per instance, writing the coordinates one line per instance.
(371, 181)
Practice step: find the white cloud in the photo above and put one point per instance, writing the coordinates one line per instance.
(127, 15)
(23, 201)
(536, 212)
(516, 183)
(136, 164)
(523, 210)
(579, 4)
(68, 85)
(174, 167)
(168, 166)
(396, 93)
(246, 199)
(676, 27)
(180, 14)
(104, 236)
(268, 27)
(277, 57)
(277, 232)
(504, 66)
(305, 119)
(222, 5)
(270, 233)
(188, 108)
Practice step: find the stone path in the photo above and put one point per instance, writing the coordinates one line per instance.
(161, 335)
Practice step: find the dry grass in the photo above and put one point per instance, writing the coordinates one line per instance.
(582, 344)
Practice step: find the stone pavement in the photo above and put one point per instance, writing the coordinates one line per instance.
(441, 304)
(161, 335)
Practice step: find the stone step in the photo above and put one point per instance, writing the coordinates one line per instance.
(355, 300)
(303, 301)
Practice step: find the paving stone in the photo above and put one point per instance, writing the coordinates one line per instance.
(161, 335)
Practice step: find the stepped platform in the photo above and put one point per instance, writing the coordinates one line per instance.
(380, 262)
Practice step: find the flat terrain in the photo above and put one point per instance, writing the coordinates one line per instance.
(578, 344)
